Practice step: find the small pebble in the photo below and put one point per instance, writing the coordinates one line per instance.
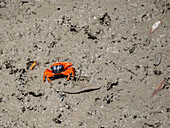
(157, 59)
(2, 4)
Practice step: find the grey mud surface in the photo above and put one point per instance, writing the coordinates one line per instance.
(109, 44)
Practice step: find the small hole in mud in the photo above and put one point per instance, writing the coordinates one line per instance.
(156, 72)
(108, 101)
(137, 67)
(135, 116)
(95, 42)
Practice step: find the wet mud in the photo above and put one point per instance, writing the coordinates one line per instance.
(110, 47)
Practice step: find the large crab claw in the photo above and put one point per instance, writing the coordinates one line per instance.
(47, 73)
(68, 72)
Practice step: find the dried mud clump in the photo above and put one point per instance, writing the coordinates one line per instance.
(105, 20)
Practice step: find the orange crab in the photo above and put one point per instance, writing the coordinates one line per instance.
(59, 68)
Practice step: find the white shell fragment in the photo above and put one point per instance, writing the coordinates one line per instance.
(155, 26)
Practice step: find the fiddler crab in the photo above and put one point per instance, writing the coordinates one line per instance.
(59, 68)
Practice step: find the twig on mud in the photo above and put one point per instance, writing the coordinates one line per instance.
(125, 69)
(78, 91)
(160, 86)
(131, 71)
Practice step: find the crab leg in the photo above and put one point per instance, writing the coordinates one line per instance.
(68, 72)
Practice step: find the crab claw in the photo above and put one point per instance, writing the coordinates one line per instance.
(68, 72)
(47, 73)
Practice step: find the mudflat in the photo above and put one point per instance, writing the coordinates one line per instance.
(111, 47)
